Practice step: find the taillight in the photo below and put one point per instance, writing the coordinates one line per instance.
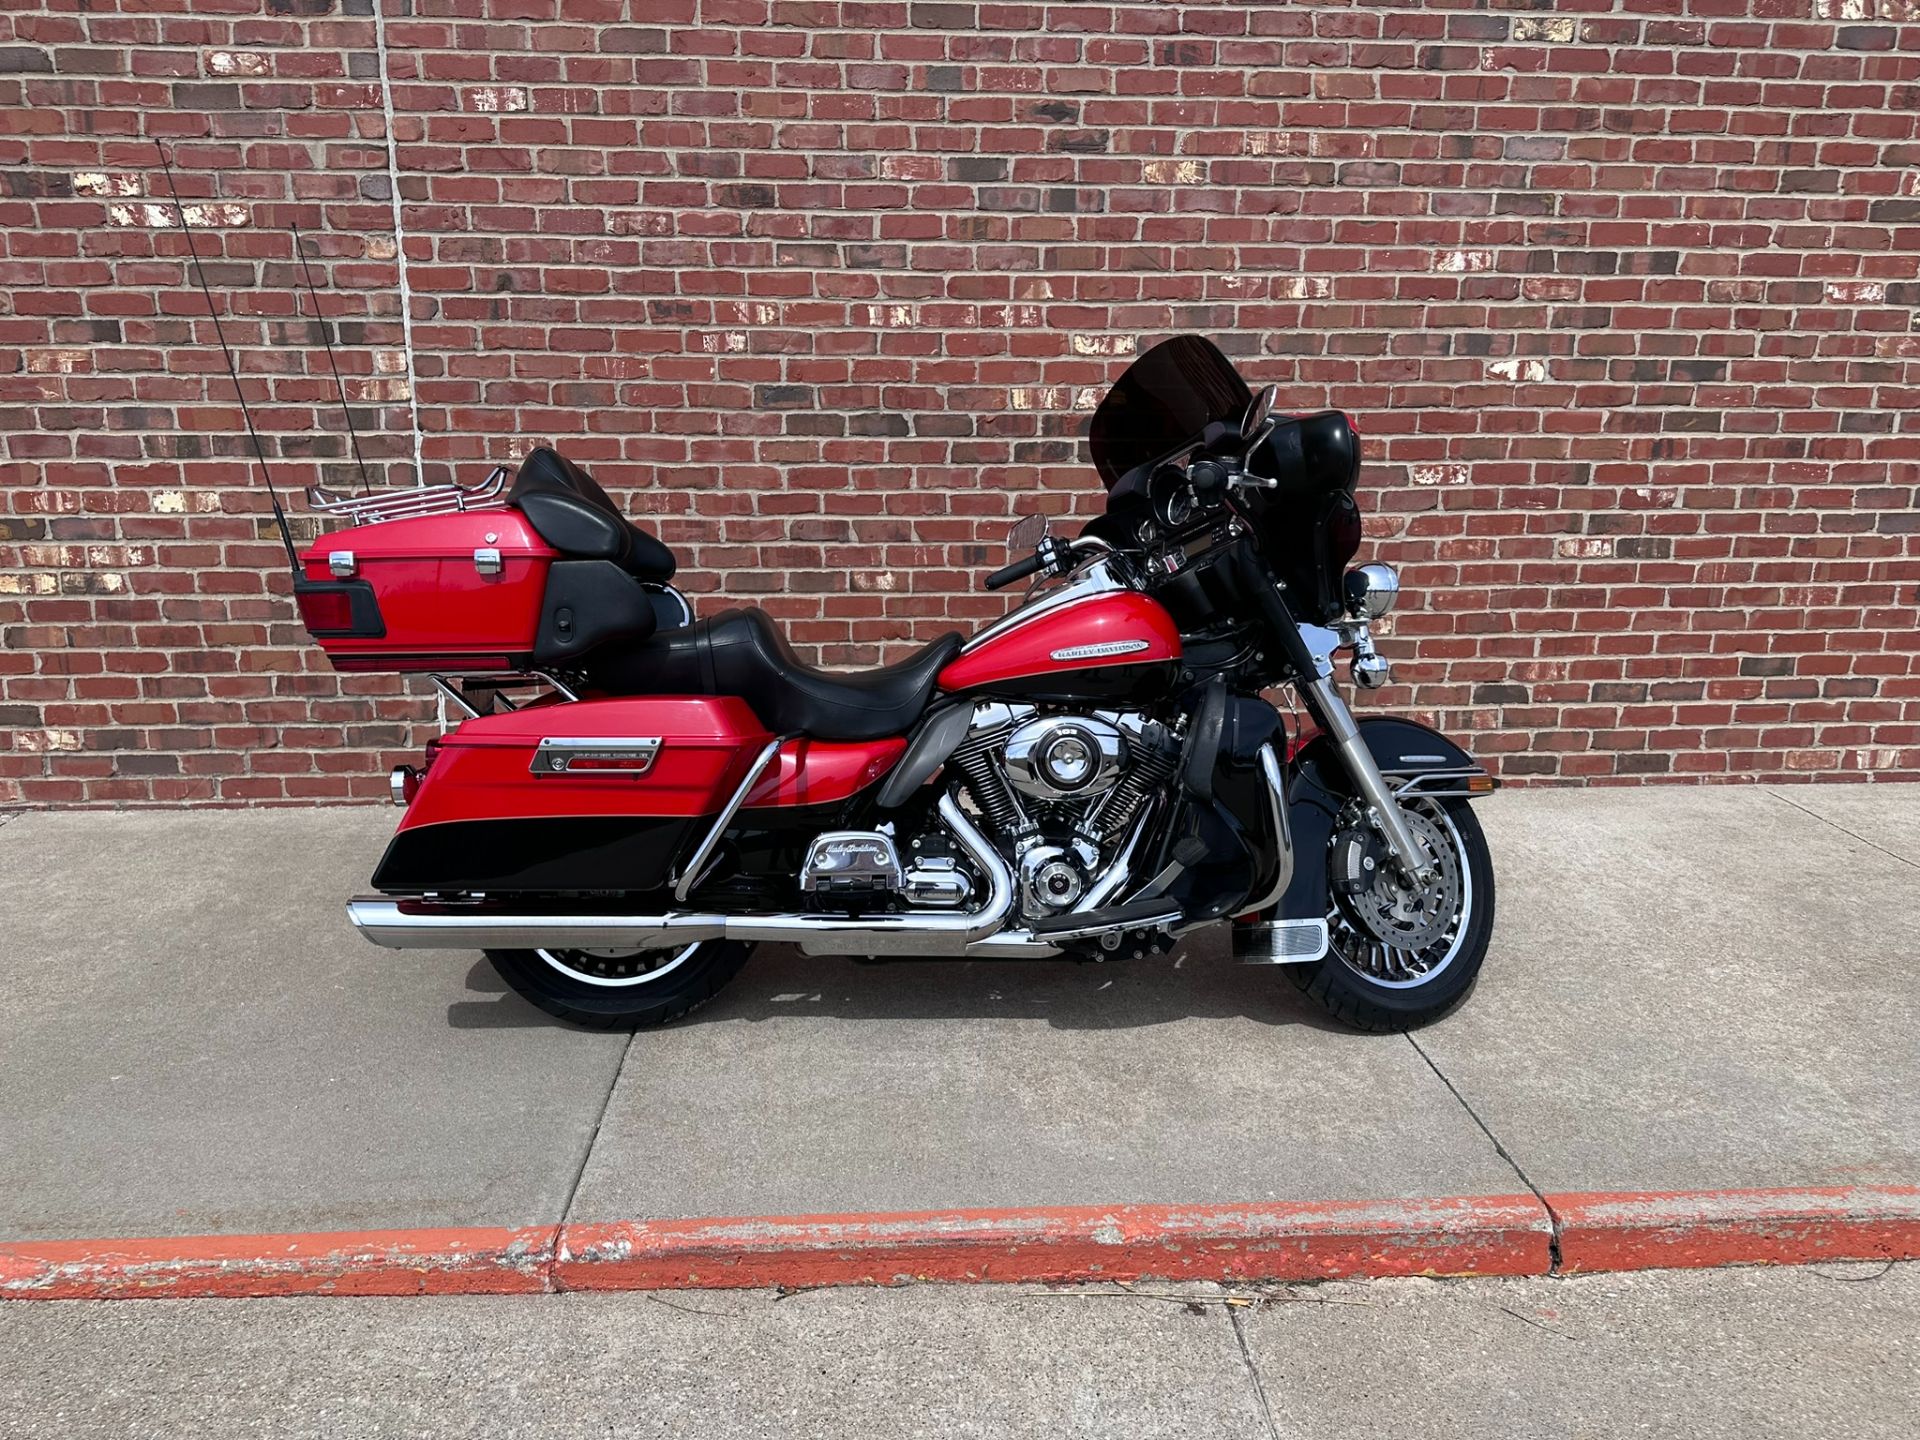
(329, 610)
(339, 609)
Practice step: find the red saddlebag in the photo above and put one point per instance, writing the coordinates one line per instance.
(600, 795)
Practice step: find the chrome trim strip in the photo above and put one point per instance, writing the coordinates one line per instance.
(556, 755)
(697, 866)
(686, 605)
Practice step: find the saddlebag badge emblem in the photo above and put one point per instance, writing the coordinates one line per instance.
(1100, 651)
(631, 757)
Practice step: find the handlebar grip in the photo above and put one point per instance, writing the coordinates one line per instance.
(1018, 570)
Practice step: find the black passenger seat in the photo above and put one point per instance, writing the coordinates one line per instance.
(569, 510)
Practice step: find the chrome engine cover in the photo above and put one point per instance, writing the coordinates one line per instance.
(1064, 757)
(842, 862)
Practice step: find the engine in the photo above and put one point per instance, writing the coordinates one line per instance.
(1061, 795)
(1060, 791)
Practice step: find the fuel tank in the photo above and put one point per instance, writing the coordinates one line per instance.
(1115, 645)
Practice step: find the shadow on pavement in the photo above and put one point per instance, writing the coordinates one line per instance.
(1197, 981)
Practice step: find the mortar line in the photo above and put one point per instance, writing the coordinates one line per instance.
(1553, 1218)
(399, 238)
(1253, 1372)
(1871, 844)
(586, 1156)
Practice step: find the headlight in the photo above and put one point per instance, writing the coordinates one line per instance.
(1371, 590)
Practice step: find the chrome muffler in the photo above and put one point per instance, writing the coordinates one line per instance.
(418, 924)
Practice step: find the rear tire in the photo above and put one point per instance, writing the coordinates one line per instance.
(1340, 980)
(636, 991)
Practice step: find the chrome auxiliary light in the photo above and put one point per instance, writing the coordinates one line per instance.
(1371, 591)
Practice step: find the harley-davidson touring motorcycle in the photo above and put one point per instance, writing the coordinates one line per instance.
(636, 798)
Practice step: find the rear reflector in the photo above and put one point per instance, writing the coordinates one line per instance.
(339, 609)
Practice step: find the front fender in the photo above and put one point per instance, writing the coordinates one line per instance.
(1318, 786)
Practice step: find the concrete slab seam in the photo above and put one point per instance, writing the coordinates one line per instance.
(1500, 1149)
(1836, 825)
(1493, 1235)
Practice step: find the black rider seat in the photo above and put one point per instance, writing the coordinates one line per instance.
(569, 510)
(739, 652)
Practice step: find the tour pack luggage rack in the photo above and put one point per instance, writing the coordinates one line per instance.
(411, 503)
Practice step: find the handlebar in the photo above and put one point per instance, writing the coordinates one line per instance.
(1018, 570)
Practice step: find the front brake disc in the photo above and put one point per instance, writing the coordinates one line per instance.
(1373, 895)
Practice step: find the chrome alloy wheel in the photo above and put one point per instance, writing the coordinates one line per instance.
(1440, 919)
(614, 969)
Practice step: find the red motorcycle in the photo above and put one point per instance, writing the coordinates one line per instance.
(1094, 776)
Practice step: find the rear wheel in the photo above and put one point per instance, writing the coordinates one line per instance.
(621, 989)
(1392, 965)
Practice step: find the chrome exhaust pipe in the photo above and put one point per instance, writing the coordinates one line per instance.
(406, 924)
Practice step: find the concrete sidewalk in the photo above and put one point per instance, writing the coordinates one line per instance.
(1729, 1353)
(1689, 988)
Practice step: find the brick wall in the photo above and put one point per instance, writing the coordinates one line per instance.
(1626, 297)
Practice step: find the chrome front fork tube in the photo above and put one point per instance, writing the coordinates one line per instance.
(1384, 809)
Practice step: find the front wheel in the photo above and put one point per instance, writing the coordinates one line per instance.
(1390, 965)
(621, 989)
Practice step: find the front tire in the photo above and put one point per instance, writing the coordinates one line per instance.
(615, 990)
(1371, 986)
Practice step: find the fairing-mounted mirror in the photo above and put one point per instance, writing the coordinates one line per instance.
(1257, 413)
(1027, 533)
(1257, 424)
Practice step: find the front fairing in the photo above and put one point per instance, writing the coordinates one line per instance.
(1184, 398)
(1181, 394)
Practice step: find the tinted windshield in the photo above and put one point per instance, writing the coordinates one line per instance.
(1168, 399)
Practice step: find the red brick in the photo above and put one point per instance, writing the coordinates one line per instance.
(1623, 303)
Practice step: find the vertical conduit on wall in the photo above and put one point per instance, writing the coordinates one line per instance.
(400, 248)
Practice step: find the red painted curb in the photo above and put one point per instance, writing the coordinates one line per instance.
(1737, 1227)
(1503, 1235)
(1498, 1235)
(364, 1262)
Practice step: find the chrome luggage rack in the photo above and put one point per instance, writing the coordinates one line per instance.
(412, 503)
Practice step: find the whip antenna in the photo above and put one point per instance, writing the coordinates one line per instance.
(233, 371)
(346, 410)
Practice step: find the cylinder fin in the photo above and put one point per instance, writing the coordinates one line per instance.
(974, 758)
